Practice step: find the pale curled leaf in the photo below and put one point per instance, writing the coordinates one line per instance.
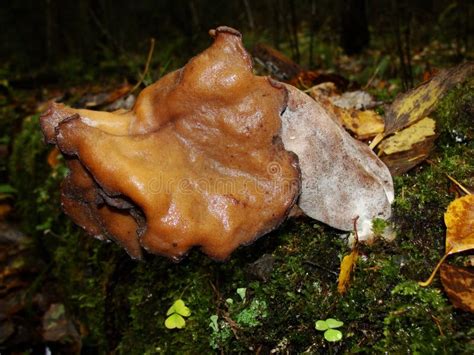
(407, 138)
(341, 177)
(353, 100)
(412, 106)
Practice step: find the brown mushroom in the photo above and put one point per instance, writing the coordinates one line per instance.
(198, 161)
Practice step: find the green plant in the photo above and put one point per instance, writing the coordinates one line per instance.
(176, 314)
(328, 327)
(221, 332)
(242, 291)
(378, 226)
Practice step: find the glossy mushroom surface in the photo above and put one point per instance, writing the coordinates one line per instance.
(198, 161)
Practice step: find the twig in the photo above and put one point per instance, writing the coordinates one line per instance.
(459, 185)
(320, 267)
(147, 65)
(356, 235)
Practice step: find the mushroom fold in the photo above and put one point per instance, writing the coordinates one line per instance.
(198, 161)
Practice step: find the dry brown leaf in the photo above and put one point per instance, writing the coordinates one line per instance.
(459, 220)
(323, 91)
(53, 157)
(347, 266)
(407, 138)
(400, 163)
(458, 282)
(412, 106)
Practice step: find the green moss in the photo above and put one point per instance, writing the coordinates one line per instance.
(121, 304)
(419, 321)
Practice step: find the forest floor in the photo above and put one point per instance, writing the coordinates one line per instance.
(67, 291)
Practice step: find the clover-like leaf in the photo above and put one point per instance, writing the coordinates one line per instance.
(175, 321)
(180, 308)
(334, 323)
(321, 325)
(333, 335)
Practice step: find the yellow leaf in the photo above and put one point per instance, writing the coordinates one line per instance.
(412, 106)
(407, 138)
(347, 266)
(459, 220)
(364, 124)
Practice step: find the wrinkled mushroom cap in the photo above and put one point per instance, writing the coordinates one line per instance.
(197, 162)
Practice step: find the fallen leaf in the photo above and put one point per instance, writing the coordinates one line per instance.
(346, 109)
(407, 138)
(458, 282)
(459, 220)
(400, 163)
(416, 104)
(347, 266)
(364, 124)
(341, 177)
(358, 100)
(323, 91)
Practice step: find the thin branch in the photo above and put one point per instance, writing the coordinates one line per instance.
(147, 64)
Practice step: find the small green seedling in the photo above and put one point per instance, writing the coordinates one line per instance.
(327, 326)
(214, 326)
(175, 315)
(242, 292)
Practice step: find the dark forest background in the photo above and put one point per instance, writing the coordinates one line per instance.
(51, 35)
(61, 290)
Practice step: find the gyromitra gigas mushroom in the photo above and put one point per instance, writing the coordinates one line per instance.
(198, 161)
